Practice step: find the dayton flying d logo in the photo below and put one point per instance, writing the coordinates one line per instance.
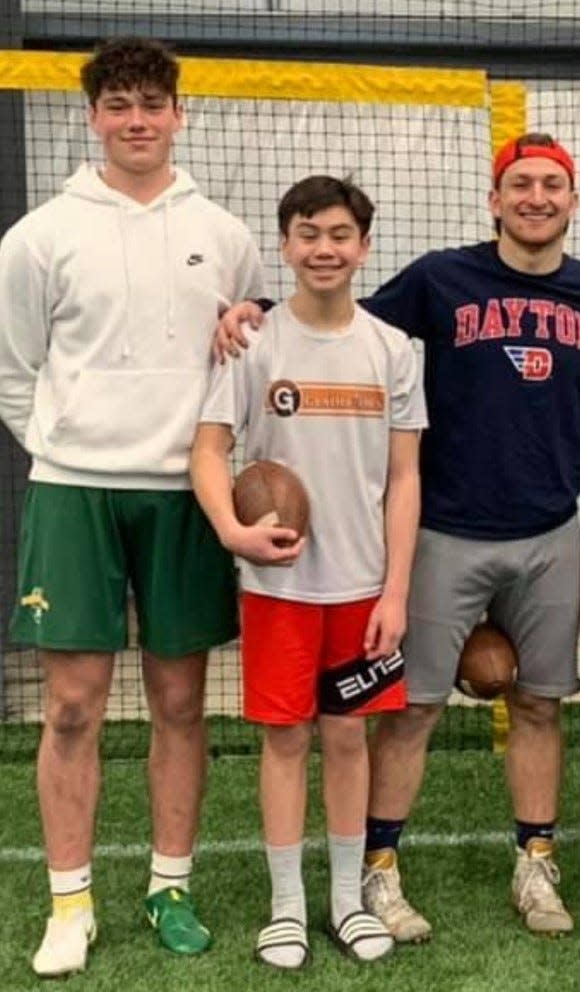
(533, 364)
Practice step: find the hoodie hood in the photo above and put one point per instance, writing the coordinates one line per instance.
(87, 184)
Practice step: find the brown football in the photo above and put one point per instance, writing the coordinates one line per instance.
(269, 493)
(487, 665)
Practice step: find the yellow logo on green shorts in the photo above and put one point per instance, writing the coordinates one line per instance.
(37, 603)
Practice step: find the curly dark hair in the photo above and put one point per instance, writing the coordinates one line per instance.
(130, 63)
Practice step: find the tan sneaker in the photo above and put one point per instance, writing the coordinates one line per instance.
(534, 890)
(382, 896)
(65, 945)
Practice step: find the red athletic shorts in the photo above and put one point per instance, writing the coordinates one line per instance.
(290, 650)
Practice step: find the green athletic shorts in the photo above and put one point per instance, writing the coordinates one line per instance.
(80, 548)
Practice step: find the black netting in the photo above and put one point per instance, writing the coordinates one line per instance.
(425, 164)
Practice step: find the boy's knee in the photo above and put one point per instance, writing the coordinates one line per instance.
(345, 737)
(177, 711)
(70, 717)
(289, 741)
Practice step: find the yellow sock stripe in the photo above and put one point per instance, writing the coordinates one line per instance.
(72, 902)
(258, 79)
(383, 858)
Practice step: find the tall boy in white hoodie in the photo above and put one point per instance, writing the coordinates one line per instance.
(109, 294)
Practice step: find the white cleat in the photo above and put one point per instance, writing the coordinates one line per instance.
(65, 945)
(382, 896)
(534, 890)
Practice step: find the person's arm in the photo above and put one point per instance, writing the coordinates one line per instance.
(249, 306)
(23, 331)
(387, 623)
(408, 417)
(212, 484)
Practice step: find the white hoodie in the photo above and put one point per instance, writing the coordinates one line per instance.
(107, 311)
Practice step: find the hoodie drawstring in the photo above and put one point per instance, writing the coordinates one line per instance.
(169, 278)
(126, 348)
(169, 274)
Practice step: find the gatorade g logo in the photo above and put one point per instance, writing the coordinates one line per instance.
(284, 397)
(533, 364)
(326, 399)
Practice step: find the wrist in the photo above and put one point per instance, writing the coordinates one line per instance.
(229, 531)
(396, 592)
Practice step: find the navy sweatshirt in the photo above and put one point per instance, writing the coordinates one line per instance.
(501, 458)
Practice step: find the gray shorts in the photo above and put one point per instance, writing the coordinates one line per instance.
(529, 587)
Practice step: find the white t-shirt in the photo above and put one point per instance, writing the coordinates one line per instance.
(323, 403)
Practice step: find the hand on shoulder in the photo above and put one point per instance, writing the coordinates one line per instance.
(229, 336)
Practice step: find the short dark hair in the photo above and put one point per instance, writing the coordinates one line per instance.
(130, 63)
(315, 193)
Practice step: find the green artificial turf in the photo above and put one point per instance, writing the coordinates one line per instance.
(479, 944)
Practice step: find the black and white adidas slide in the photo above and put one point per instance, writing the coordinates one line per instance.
(356, 927)
(283, 932)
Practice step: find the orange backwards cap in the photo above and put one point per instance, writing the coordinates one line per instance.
(512, 151)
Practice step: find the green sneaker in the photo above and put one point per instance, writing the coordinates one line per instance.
(172, 913)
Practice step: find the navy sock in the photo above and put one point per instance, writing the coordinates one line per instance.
(383, 833)
(525, 832)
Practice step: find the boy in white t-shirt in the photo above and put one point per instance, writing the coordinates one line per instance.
(333, 393)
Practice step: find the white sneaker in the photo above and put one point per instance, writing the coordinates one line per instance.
(534, 890)
(65, 945)
(382, 896)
